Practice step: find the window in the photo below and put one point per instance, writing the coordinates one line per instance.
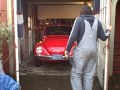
(58, 30)
(103, 9)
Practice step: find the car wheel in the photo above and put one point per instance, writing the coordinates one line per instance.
(38, 63)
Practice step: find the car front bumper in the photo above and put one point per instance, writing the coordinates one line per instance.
(52, 58)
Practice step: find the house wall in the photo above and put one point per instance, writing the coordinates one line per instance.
(3, 9)
(5, 52)
(6, 11)
(11, 40)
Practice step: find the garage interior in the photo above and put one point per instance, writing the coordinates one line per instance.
(49, 76)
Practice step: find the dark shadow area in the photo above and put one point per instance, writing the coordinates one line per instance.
(114, 82)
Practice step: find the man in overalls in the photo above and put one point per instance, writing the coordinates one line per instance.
(86, 30)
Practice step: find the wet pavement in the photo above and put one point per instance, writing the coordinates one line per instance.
(114, 82)
(49, 76)
(49, 82)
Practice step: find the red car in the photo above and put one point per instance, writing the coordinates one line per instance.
(53, 44)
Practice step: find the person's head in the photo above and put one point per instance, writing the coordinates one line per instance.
(86, 10)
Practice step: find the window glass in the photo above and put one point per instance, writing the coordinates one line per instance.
(58, 30)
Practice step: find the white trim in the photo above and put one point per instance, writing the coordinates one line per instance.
(20, 19)
(108, 2)
(16, 41)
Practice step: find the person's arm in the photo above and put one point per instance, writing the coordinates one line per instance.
(73, 34)
(101, 34)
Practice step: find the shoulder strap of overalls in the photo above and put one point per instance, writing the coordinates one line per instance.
(95, 24)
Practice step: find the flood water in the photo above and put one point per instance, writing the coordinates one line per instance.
(49, 76)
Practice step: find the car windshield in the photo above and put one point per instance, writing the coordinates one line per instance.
(58, 30)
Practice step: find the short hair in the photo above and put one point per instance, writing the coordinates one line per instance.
(86, 10)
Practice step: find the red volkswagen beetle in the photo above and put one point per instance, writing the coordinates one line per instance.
(53, 44)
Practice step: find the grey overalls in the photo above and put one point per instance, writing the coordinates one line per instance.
(84, 59)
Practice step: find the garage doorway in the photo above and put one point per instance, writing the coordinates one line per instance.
(28, 69)
(116, 59)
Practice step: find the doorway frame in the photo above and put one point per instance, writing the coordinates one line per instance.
(113, 14)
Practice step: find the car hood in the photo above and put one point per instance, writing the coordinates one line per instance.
(56, 44)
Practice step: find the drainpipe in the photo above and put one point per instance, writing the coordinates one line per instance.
(16, 40)
(107, 47)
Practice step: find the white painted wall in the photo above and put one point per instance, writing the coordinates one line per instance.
(58, 11)
(103, 49)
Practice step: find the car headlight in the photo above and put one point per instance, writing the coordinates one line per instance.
(38, 49)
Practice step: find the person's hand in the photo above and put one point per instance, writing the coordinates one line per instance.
(66, 54)
(110, 28)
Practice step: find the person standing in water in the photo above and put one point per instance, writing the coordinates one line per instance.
(85, 31)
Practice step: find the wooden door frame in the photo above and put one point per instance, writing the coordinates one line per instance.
(113, 14)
